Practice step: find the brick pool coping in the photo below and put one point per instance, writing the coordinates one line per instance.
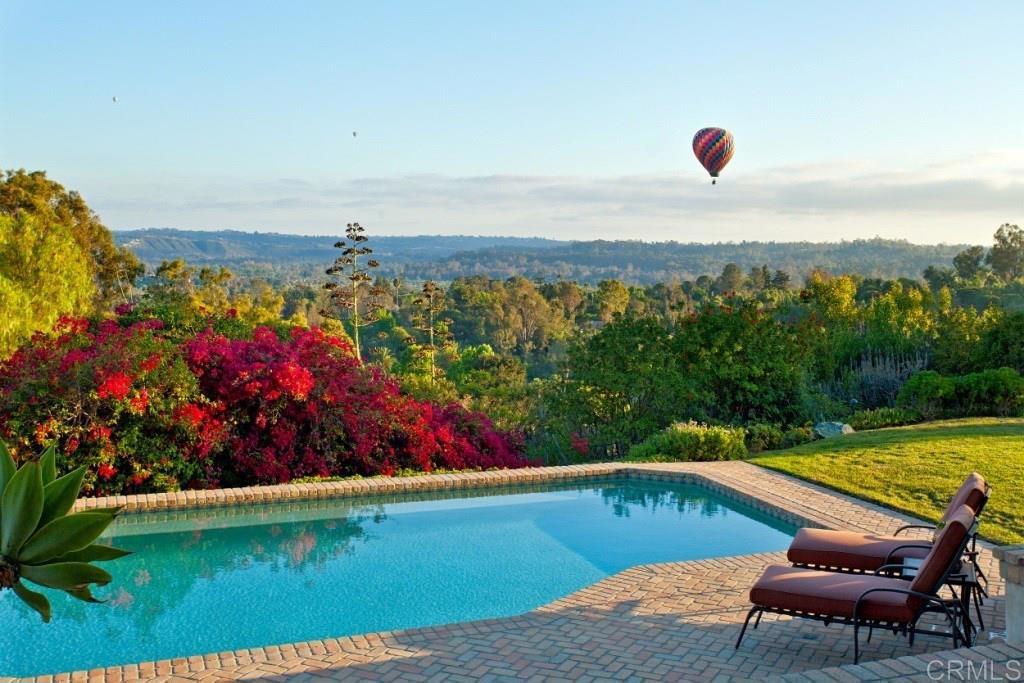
(683, 590)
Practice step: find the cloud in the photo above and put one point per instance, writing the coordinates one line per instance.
(954, 200)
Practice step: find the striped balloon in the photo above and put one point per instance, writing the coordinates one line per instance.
(713, 148)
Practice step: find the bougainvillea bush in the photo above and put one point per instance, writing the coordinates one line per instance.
(146, 411)
(109, 395)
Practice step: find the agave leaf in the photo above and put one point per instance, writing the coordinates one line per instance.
(60, 494)
(83, 594)
(20, 508)
(65, 575)
(48, 464)
(7, 470)
(94, 553)
(7, 466)
(36, 601)
(63, 535)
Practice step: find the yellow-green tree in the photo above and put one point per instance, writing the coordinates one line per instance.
(113, 269)
(43, 275)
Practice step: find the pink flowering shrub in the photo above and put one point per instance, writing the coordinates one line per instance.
(304, 406)
(148, 413)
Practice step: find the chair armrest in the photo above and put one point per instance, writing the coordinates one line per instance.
(905, 527)
(921, 545)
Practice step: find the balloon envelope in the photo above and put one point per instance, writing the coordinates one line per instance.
(713, 148)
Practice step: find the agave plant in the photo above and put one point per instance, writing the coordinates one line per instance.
(39, 541)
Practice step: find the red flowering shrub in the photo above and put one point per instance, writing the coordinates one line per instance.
(468, 439)
(106, 393)
(580, 444)
(148, 414)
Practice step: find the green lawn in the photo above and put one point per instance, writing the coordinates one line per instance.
(916, 469)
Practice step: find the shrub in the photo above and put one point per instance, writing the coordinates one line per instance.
(117, 398)
(691, 441)
(798, 436)
(763, 437)
(145, 413)
(305, 406)
(879, 418)
(1002, 344)
(990, 392)
(928, 393)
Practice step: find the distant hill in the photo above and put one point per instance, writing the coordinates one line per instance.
(154, 245)
(446, 257)
(649, 262)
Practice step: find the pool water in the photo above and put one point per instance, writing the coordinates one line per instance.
(209, 580)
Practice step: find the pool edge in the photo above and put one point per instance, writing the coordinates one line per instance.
(712, 476)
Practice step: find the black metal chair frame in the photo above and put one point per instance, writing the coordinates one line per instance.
(930, 603)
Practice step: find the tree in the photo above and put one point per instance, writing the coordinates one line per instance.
(430, 304)
(938, 277)
(780, 280)
(1007, 253)
(260, 305)
(731, 278)
(569, 295)
(741, 364)
(533, 320)
(760, 277)
(612, 299)
(1002, 344)
(43, 275)
(968, 263)
(113, 269)
(622, 385)
(351, 296)
(834, 297)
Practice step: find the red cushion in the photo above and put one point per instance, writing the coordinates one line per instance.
(832, 594)
(851, 550)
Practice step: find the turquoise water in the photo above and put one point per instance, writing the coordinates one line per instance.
(204, 581)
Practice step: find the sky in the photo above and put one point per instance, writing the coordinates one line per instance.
(569, 120)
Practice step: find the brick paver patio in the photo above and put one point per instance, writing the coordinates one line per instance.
(662, 622)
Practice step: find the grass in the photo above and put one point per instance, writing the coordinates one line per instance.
(916, 469)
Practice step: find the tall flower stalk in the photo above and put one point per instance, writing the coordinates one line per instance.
(350, 295)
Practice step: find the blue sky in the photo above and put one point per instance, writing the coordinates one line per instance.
(569, 119)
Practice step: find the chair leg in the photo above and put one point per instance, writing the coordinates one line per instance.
(856, 642)
(981, 578)
(757, 622)
(977, 608)
(746, 622)
(871, 629)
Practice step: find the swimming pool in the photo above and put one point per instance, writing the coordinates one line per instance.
(215, 579)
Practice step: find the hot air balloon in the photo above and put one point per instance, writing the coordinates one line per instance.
(713, 148)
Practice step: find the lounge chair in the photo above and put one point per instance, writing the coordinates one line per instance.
(871, 600)
(858, 552)
(850, 551)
